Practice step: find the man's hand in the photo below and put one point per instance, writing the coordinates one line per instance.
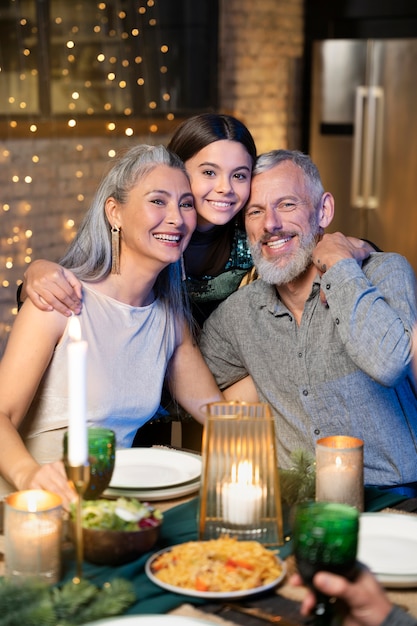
(334, 247)
(363, 602)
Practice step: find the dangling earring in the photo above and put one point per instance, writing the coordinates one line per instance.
(115, 250)
(183, 274)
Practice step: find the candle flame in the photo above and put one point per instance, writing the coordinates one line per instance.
(243, 474)
(32, 503)
(74, 328)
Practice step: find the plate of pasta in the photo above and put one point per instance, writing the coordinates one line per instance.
(216, 569)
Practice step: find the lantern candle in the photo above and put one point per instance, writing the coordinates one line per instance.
(33, 533)
(77, 382)
(339, 470)
(241, 498)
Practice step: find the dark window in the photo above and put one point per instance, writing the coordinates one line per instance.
(114, 58)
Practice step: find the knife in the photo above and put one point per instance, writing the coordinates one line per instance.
(260, 614)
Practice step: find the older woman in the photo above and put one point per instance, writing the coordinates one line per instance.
(127, 255)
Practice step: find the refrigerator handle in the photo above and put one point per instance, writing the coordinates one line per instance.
(373, 147)
(367, 147)
(357, 196)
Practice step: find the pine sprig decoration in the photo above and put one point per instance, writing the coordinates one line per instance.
(112, 600)
(25, 603)
(19, 594)
(32, 603)
(298, 483)
(38, 611)
(71, 597)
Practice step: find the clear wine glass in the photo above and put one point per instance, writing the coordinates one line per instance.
(101, 456)
(325, 537)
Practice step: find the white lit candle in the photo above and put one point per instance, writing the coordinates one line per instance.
(33, 530)
(241, 498)
(339, 470)
(77, 396)
(337, 482)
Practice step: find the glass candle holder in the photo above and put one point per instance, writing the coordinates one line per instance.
(339, 471)
(240, 493)
(33, 535)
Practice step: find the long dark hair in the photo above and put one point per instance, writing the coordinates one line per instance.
(199, 131)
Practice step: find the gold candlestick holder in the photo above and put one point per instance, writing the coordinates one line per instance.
(79, 475)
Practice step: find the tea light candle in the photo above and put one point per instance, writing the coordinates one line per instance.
(339, 470)
(77, 393)
(241, 499)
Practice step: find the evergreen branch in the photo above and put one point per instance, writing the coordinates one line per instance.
(298, 483)
(69, 599)
(113, 599)
(31, 603)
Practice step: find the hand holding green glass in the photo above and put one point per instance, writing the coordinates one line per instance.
(101, 456)
(325, 537)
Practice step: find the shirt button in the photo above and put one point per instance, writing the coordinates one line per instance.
(300, 354)
(305, 392)
(337, 321)
(316, 431)
(328, 286)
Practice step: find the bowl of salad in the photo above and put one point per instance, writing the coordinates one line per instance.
(117, 531)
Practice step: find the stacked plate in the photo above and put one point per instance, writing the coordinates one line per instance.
(388, 546)
(150, 620)
(154, 474)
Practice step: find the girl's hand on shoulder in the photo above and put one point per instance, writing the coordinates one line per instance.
(50, 286)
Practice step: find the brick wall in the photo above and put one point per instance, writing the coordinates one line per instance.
(261, 49)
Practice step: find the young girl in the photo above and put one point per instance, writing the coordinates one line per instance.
(126, 257)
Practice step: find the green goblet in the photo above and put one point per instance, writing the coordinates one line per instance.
(101, 456)
(325, 537)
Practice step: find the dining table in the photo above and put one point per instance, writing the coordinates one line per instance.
(280, 605)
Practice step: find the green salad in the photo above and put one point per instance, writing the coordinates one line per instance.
(120, 514)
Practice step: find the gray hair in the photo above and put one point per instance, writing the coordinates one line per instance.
(268, 160)
(89, 254)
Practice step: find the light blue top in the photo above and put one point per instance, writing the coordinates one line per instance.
(128, 353)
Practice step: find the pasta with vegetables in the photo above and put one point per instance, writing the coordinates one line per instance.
(218, 565)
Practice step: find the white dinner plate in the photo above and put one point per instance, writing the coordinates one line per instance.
(152, 495)
(149, 620)
(388, 546)
(210, 595)
(154, 468)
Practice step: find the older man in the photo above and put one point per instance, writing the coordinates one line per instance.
(325, 333)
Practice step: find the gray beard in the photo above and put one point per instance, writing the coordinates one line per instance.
(296, 263)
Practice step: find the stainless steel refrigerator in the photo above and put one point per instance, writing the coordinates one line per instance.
(363, 137)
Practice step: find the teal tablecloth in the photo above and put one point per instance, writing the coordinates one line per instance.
(180, 525)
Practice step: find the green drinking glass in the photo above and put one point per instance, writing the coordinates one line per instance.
(325, 537)
(101, 456)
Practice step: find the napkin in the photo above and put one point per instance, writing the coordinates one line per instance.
(377, 499)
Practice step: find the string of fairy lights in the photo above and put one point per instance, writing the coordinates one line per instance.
(96, 53)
